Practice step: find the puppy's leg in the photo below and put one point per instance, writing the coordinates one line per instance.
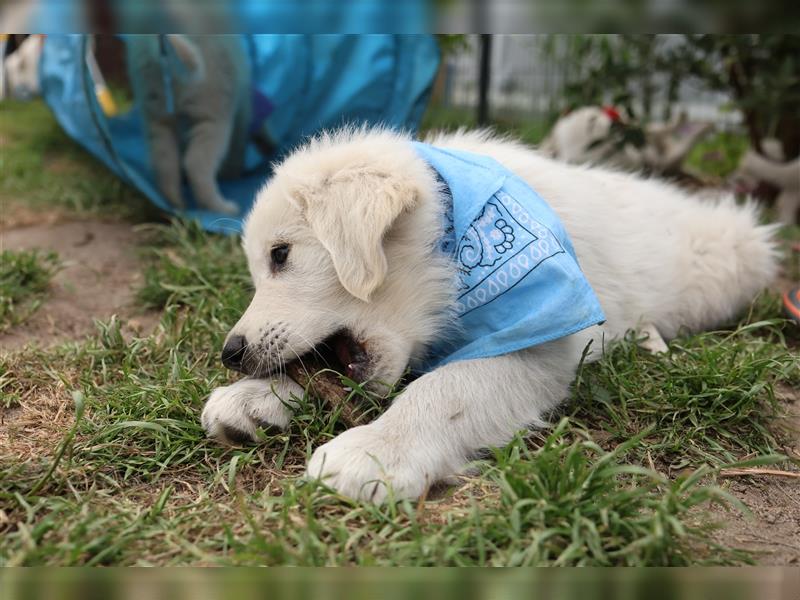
(787, 204)
(233, 412)
(443, 418)
(654, 342)
(165, 158)
(208, 142)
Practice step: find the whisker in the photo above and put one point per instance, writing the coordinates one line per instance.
(298, 357)
(312, 348)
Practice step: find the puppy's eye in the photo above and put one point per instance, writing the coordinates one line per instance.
(278, 256)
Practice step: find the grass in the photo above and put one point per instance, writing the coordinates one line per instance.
(183, 268)
(24, 279)
(718, 154)
(44, 170)
(109, 464)
(711, 399)
(566, 503)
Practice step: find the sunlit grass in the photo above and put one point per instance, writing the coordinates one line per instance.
(44, 170)
(24, 279)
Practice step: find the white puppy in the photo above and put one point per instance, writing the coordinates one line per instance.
(343, 247)
(587, 135)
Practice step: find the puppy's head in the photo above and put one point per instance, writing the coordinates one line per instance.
(330, 246)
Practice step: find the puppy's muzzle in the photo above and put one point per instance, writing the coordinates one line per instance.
(233, 352)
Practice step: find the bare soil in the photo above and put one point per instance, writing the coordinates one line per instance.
(99, 276)
(773, 529)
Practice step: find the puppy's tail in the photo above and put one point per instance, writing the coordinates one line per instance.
(733, 258)
(757, 250)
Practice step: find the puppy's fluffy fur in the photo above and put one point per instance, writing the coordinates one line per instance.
(206, 131)
(361, 214)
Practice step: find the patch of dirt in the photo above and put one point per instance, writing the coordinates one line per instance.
(773, 530)
(61, 164)
(15, 215)
(99, 275)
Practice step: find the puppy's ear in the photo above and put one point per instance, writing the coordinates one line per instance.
(350, 212)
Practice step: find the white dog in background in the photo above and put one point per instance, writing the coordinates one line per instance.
(342, 245)
(586, 136)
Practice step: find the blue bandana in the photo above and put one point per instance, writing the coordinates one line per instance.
(519, 283)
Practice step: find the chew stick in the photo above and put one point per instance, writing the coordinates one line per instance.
(325, 385)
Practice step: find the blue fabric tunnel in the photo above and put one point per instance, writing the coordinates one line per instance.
(304, 83)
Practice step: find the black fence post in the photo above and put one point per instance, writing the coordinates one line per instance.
(484, 78)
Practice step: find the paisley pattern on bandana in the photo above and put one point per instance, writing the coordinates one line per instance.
(502, 246)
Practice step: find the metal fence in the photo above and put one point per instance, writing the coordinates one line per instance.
(527, 82)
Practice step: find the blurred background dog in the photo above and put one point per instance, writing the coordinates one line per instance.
(195, 97)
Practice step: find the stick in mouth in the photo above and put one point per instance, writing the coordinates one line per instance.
(315, 371)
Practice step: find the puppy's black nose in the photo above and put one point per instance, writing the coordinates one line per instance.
(233, 352)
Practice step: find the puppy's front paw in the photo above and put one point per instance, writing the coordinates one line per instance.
(366, 464)
(233, 412)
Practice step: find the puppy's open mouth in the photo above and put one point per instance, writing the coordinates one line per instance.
(340, 352)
